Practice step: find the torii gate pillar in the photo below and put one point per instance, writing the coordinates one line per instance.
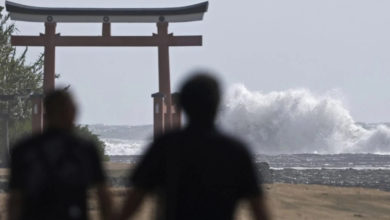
(164, 81)
(37, 113)
(37, 117)
(50, 58)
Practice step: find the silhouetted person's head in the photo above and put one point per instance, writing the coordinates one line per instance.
(60, 110)
(199, 98)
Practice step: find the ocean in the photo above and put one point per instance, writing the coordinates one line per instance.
(291, 128)
(130, 151)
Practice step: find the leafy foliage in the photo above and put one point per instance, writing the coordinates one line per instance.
(16, 76)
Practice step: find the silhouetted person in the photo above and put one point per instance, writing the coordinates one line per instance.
(197, 173)
(51, 172)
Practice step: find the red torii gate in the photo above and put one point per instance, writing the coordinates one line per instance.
(166, 113)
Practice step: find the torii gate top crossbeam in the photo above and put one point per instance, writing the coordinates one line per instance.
(21, 12)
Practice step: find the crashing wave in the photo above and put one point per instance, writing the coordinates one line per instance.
(297, 121)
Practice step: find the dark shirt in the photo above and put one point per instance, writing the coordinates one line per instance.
(198, 174)
(53, 171)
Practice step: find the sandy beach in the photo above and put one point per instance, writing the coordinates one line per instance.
(300, 202)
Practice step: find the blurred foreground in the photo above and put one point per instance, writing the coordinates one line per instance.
(287, 201)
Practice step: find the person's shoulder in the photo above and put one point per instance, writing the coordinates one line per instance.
(82, 145)
(229, 139)
(169, 136)
(166, 141)
(82, 142)
(26, 143)
(70, 139)
(232, 143)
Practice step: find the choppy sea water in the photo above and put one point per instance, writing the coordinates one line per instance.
(129, 151)
(348, 170)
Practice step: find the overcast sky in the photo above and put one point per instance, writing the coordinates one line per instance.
(268, 45)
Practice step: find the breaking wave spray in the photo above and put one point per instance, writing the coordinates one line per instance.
(297, 121)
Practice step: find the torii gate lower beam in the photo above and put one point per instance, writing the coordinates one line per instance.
(163, 40)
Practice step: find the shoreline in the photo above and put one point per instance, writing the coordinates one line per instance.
(286, 201)
(369, 179)
(117, 174)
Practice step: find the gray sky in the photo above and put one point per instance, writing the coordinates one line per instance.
(267, 45)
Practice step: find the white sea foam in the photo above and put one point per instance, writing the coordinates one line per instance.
(124, 147)
(297, 121)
